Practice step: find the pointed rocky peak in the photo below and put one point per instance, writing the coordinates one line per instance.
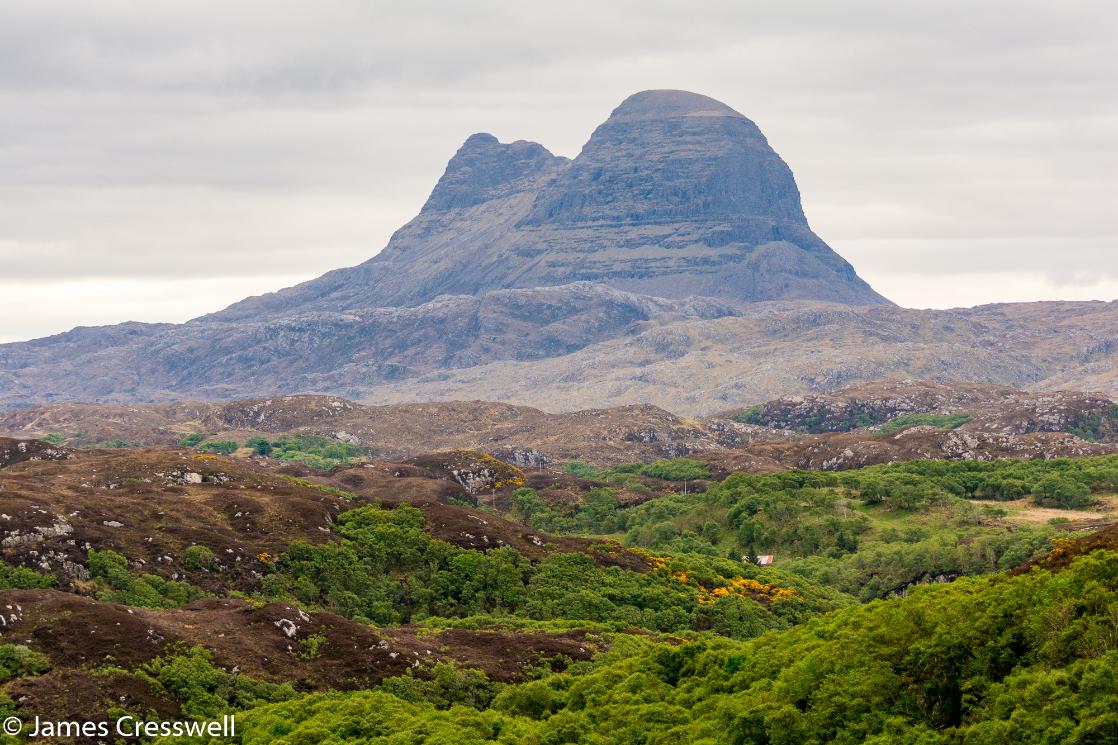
(485, 168)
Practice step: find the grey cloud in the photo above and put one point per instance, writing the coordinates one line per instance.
(163, 140)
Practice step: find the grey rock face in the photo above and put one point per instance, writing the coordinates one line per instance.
(674, 195)
(328, 351)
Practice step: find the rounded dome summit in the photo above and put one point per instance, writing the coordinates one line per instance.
(669, 104)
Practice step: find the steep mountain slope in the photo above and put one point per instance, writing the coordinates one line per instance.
(674, 195)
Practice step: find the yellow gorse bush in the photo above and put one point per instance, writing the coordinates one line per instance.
(737, 587)
(515, 479)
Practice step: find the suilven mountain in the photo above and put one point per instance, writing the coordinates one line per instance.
(670, 262)
(675, 195)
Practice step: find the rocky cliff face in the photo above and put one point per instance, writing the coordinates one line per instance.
(674, 195)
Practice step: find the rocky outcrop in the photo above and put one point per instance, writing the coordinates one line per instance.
(990, 408)
(14, 451)
(844, 451)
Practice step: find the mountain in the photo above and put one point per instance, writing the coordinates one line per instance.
(674, 195)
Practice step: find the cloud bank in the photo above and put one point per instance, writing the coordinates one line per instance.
(161, 160)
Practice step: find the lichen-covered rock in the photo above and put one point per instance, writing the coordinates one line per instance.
(14, 451)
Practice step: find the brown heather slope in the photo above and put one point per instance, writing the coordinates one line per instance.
(1104, 539)
(265, 642)
(526, 436)
(533, 439)
(14, 451)
(151, 504)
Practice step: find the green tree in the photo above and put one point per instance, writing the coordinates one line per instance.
(1061, 492)
(259, 445)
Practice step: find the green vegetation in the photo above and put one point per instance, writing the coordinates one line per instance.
(1096, 425)
(1061, 491)
(675, 469)
(198, 558)
(203, 690)
(219, 447)
(54, 438)
(1001, 479)
(17, 661)
(118, 585)
(444, 686)
(310, 450)
(940, 421)
(874, 625)
(867, 532)
(192, 440)
(582, 470)
(259, 445)
(1027, 660)
(753, 415)
(115, 444)
(21, 578)
(387, 570)
(596, 515)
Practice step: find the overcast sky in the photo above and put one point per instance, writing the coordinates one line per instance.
(159, 160)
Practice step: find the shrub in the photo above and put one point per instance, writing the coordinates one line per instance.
(259, 445)
(17, 661)
(192, 440)
(310, 450)
(118, 585)
(205, 691)
(21, 578)
(198, 558)
(582, 470)
(677, 469)
(941, 421)
(752, 415)
(221, 447)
